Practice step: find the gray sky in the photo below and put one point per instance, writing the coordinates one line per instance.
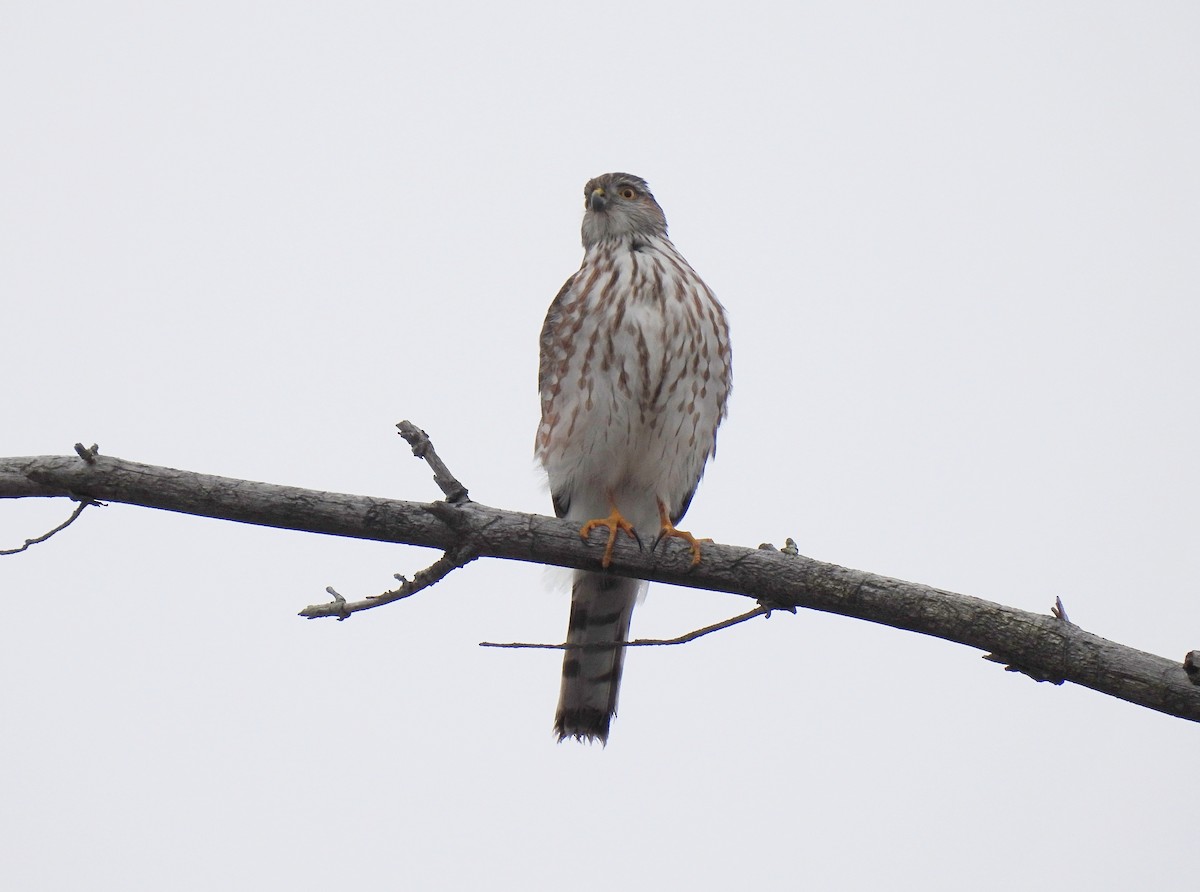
(958, 247)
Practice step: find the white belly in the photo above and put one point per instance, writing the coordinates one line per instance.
(632, 400)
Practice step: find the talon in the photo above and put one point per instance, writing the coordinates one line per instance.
(669, 531)
(614, 522)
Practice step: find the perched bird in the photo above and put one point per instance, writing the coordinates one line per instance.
(634, 376)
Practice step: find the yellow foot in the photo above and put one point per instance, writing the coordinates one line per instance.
(615, 522)
(669, 531)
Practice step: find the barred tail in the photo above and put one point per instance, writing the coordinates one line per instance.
(601, 606)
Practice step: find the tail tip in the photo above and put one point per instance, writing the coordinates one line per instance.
(585, 724)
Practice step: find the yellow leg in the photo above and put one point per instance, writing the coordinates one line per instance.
(669, 530)
(615, 522)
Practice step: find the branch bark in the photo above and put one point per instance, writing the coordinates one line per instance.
(1043, 647)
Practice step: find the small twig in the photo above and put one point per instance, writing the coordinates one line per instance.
(768, 606)
(640, 642)
(83, 503)
(1191, 665)
(422, 447)
(437, 571)
(1059, 611)
(789, 547)
(1036, 675)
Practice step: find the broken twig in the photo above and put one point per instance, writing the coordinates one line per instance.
(422, 447)
(1059, 611)
(1191, 666)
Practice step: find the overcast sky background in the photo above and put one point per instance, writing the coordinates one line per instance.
(958, 247)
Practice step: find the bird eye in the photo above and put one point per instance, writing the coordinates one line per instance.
(628, 192)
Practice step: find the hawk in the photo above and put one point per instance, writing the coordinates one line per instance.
(634, 377)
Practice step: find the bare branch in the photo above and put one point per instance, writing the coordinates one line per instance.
(83, 503)
(1042, 645)
(422, 447)
(456, 494)
(640, 642)
(437, 571)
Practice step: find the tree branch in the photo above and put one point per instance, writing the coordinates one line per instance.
(434, 573)
(685, 638)
(1039, 645)
(83, 503)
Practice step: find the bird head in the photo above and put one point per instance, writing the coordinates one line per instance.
(620, 206)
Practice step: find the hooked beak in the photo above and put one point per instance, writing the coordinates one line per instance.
(597, 201)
